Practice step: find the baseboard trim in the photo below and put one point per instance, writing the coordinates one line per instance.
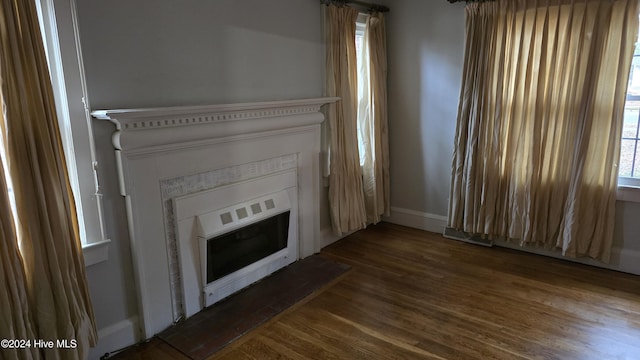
(627, 260)
(417, 219)
(623, 260)
(115, 337)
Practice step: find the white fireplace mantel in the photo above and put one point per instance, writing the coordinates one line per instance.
(164, 153)
(143, 128)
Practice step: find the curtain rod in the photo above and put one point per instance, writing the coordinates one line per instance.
(368, 5)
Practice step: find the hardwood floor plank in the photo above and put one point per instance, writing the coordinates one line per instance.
(415, 295)
(304, 343)
(414, 321)
(370, 343)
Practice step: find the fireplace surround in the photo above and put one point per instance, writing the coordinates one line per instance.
(180, 167)
(204, 215)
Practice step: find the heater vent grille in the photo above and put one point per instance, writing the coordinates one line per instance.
(269, 204)
(236, 216)
(256, 209)
(226, 218)
(462, 236)
(242, 213)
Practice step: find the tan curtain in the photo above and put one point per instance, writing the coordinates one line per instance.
(15, 318)
(59, 303)
(346, 198)
(540, 121)
(372, 119)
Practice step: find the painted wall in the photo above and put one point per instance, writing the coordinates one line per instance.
(167, 52)
(155, 53)
(426, 53)
(111, 283)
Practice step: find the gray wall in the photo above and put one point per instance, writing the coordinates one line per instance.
(155, 53)
(111, 282)
(150, 53)
(426, 52)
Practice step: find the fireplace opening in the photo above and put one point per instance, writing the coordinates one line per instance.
(236, 249)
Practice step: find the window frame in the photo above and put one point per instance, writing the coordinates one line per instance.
(58, 20)
(629, 187)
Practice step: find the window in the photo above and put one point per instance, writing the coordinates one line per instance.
(59, 31)
(629, 168)
(361, 25)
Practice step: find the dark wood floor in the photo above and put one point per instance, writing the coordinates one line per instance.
(415, 295)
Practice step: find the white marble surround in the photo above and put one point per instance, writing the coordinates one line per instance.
(165, 154)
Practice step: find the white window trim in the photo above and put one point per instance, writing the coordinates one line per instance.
(628, 189)
(62, 43)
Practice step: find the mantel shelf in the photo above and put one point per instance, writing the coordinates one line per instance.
(146, 118)
(151, 127)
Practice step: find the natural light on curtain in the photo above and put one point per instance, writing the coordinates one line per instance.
(373, 144)
(540, 121)
(346, 199)
(7, 179)
(45, 293)
(358, 131)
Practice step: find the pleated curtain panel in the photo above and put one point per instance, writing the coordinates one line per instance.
(540, 121)
(372, 119)
(45, 294)
(358, 193)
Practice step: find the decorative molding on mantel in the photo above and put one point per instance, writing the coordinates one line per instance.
(141, 119)
(133, 125)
